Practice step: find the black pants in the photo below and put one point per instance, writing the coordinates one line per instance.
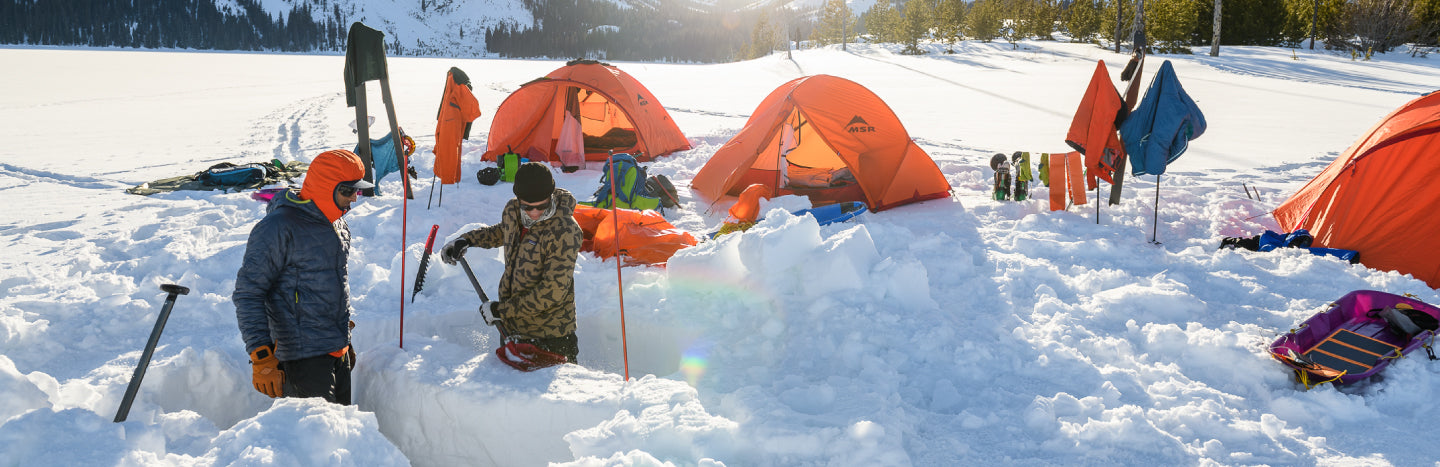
(318, 376)
(568, 346)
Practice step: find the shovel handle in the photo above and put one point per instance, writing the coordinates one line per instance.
(473, 281)
(174, 290)
(134, 388)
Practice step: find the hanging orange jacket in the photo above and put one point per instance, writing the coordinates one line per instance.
(1092, 131)
(458, 108)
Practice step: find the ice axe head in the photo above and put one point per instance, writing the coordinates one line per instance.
(174, 290)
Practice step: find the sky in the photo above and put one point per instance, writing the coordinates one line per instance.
(956, 331)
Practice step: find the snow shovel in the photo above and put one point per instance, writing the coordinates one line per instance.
(520, 356)
(130, 392)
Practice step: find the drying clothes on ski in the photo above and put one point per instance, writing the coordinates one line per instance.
(1160, 129)
(226, 176)
(537, 290)
(1300, 238)
(458, 109)
(1094, 127)
(292, 296)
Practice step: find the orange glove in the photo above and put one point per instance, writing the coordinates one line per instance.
(267, 377)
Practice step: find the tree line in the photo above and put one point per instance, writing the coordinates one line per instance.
(183, 24)
(653, 30)
(1369, 26)
(712, 31)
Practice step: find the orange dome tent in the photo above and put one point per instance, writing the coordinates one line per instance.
(1377, 198)
(615, 112)
(830, 139)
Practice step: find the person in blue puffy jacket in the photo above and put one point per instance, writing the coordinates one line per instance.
(292, 296)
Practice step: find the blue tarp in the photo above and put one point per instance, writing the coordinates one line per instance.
(1161, 127)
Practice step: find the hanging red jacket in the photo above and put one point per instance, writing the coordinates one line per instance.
(458, 108)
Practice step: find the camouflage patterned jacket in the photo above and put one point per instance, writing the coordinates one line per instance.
(537, 291)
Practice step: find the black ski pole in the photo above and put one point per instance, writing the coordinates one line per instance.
(134, 387)
(432, 191)
(1155, 229)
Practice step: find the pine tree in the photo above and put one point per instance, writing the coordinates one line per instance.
(1085, 20)
(836, 23)
(763, 37)
(883, 22)
(1170, 24)
(983, 21)
(949, 21)
(916, 25)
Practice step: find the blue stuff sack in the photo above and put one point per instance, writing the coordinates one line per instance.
(227, 174)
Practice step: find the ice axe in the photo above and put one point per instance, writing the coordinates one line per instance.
(173, 291)
(520, 356)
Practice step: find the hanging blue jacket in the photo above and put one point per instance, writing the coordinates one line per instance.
(291, 289)
(1161, 127)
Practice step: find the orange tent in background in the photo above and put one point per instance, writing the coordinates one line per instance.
(615, 113)
(646, 236)
(1378, 197)
(827, 138)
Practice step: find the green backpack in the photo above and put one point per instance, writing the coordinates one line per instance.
(509, 164)
(630, 192)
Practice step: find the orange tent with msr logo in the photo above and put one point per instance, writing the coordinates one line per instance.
(827, 138)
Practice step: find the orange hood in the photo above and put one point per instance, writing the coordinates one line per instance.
(325, 173)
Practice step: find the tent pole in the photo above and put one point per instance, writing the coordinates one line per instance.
(1097, 204)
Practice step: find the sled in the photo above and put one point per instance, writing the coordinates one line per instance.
(832, 213)
(1357, 337)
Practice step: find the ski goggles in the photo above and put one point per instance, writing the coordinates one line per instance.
(542, 207)
(348, 188)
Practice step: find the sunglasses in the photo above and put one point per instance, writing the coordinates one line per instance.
(346, 189)
(542, 207)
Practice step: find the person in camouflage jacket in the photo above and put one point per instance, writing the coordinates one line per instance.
(542, 242)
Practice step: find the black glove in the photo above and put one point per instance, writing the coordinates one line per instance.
(454, 250)
(413, 173)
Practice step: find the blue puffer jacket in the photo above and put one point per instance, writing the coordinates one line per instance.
(291, 290)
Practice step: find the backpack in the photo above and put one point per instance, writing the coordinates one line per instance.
(660, 186)
(630, 189)
(1406, 321)
(488, 176)
(228, 174)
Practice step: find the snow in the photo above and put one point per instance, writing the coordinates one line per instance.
(958, 331)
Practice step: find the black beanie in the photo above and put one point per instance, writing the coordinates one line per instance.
(533, 182)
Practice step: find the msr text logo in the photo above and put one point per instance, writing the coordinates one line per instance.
(859, 125)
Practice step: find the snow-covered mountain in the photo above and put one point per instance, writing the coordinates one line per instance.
(452, 28)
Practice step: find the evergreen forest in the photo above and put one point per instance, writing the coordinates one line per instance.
(696, 31)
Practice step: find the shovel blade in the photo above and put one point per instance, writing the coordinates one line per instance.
(527, 357)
